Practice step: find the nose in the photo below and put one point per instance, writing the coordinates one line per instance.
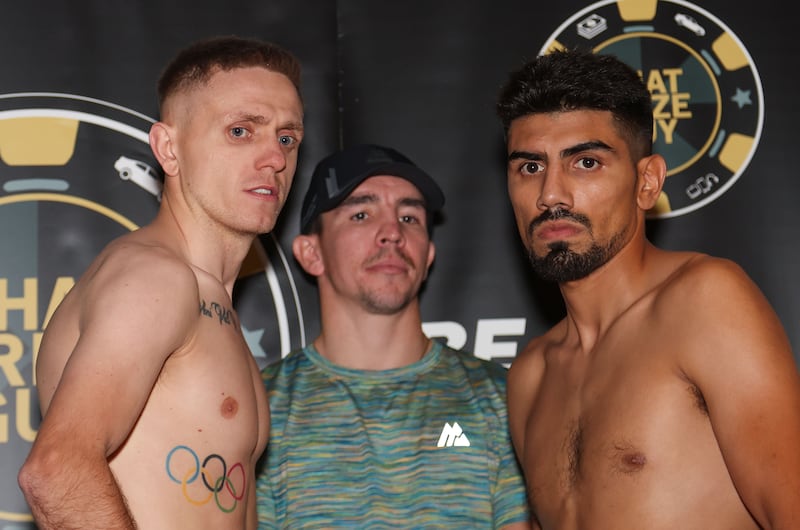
(272, 155)
(390, 232)
(554, 192)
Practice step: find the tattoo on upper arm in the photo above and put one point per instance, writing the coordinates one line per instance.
(224, 314)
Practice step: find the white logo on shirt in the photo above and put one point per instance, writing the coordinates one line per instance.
(452, 436)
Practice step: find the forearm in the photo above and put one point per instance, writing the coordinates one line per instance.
(74, 497)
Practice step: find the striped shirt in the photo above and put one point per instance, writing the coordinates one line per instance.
(423, 446)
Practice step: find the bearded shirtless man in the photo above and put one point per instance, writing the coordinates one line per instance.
(668, 398)
(154, 410)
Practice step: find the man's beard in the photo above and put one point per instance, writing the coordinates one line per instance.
(562, 264)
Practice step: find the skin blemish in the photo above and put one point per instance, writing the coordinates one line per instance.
(229, 407)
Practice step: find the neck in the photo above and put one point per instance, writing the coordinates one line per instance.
(595, 302)
(367, 341)
(218, 254)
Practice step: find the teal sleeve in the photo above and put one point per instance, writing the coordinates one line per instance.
(510, 499)
(265, 502)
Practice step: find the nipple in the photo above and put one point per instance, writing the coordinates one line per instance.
(635, 460)
(229, 407)
(628, 459)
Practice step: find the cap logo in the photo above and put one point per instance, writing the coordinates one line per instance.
(331, 183)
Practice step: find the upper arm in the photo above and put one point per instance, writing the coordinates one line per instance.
(510, 502)
(740, 359)
(523, 381)
(134, 312)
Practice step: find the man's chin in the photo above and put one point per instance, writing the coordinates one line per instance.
(386, 304)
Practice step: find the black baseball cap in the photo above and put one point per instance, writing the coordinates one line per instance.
(337, 175)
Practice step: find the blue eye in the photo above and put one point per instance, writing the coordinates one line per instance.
(286, 140)
(238, 132)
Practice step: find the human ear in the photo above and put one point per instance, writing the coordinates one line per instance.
(431, 256)
(161, 143)
(652, 170)
(306, 252)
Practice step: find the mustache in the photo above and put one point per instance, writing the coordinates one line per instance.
(386, 252)
(557, 214)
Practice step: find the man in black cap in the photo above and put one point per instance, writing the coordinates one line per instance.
(374, 424)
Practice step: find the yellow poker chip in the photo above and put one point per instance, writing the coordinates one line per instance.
(708, 103)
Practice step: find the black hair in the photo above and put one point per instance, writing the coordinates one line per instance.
(575, 79)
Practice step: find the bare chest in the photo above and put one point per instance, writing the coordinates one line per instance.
(609, 429)
(215, 383)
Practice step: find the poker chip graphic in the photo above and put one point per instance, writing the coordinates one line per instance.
(708, 104)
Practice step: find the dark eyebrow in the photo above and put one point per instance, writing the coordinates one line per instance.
(364, 198)
(367, 198)
(413, 202)
(569, 151)
(524, 155)
(586, 146)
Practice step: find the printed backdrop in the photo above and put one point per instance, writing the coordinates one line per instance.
(77, 98)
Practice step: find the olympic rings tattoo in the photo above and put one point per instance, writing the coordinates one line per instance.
(213, 485)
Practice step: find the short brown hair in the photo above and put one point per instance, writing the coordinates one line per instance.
(196, 63)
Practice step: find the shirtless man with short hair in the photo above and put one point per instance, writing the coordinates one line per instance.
(154, 410)
(668, 397)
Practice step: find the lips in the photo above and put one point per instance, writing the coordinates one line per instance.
(558, 223)
(391, 266)
(264, 191)
(557, 230)
(391, 263)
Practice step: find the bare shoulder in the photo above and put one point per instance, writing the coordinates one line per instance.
(529, 362)
(132, 266)
(135, 284)
(707, 285)
(528, 367)
(702, 270)
(131, 258)
(714, 314)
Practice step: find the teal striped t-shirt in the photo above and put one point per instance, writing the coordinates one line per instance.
(423, 446)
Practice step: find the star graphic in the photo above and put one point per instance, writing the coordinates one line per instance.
(253, 339)
(742, 97)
